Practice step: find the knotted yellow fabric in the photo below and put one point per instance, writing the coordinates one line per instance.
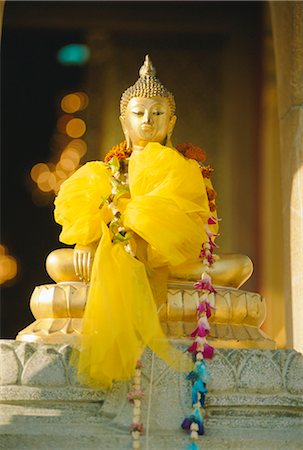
(167, 208)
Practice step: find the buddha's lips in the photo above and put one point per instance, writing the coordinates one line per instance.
(146, 127)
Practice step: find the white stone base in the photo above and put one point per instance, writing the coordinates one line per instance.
(255, 401)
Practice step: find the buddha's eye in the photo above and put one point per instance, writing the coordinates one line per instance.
(138, 113)
(158, 113)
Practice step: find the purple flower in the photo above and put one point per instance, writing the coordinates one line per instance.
(186, 424)
(188, 421)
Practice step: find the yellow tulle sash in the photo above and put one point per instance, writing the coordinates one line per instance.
(167, 208)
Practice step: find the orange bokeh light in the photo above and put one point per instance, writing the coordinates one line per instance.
(74, 102)
(37, 169)
(79, 145)
(8, 266)
(62, 122)
(75, 128)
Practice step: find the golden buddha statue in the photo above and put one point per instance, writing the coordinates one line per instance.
(148, 116)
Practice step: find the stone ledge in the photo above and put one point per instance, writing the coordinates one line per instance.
(255, 393)
(239, 370)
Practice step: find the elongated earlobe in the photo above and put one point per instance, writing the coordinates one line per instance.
(170, 130)
(126, 134)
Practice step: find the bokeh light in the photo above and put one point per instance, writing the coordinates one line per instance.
(62, 123)
(48, 177)
(8, 265)
(79, 145)
(75, 128)
(74, 102)
(37, 170)
(73, 54)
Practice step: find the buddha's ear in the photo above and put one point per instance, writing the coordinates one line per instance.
(172, 124)
(126, 134)
(170, 129)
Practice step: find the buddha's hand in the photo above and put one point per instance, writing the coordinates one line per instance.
(83, 261)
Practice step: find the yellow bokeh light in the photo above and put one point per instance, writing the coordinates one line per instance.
(62, 123)
(75, 128)
(72, 154)
(60, 173)
(37, 169)
(8, 266)
(52, 181)
(72, 103)
(79, 145)
(68, 165)
(44, 181)
(84, 100)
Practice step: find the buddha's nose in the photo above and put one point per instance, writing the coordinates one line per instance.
(147, 117)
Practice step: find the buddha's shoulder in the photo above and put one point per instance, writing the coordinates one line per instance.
(92, 167)
(192, 151)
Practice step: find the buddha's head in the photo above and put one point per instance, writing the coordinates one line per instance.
(147, 110)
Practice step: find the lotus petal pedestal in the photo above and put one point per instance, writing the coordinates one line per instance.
(235, 322)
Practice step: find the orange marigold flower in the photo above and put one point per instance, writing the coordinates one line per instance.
(118, 151)
(192, 152)
(211, 193)
(207, 171)
(212, 206)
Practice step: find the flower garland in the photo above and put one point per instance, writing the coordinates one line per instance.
(117, 161)
(200, 349)
(120, 154)
(134, 396)
(118, 165)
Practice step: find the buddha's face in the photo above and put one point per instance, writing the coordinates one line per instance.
(147, 120)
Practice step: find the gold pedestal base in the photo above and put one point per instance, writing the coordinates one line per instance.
(235, 322)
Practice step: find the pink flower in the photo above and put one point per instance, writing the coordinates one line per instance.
(205, 307)
(193, 347)
(203, 253)
(212, 221)
(212, 245)
(136, 427)
(208, 351)
(202, 330)
(210, 258)
(134, 395)
(204, 284)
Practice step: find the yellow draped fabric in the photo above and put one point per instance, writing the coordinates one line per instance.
(167, 208)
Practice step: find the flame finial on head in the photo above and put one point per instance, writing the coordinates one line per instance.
(147, 86)
(147, 70)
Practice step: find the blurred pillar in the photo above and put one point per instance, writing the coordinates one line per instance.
(287, 25)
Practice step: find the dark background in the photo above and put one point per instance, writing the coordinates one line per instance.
(32, 81)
